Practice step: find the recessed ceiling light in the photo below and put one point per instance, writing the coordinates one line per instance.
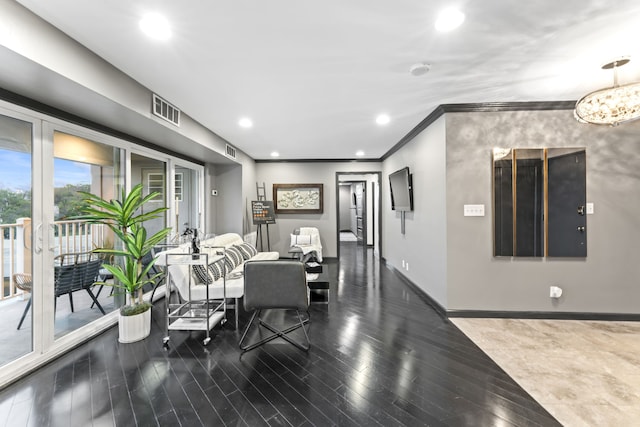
(360, 153)
(245, 122)
(449, 19)
(155, 26)
(275, 154)
(382, 119)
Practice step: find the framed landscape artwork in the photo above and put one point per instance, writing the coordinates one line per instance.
(297, 198)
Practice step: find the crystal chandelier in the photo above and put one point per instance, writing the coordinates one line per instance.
(610, 106)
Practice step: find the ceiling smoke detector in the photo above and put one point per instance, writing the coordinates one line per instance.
(419, 69)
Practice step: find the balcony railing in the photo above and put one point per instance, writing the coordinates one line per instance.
(16, 244)
(8, 264)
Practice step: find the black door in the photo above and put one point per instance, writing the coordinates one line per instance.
(567, 222)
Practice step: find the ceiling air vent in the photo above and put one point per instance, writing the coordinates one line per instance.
(166, 111)
(231, 152)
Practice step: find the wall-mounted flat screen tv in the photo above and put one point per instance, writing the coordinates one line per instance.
(401, 190)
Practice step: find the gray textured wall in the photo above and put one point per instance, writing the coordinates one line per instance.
(424, 244)
(607, 281)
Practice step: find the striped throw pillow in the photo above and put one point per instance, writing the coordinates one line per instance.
(247, 250)
(235, 257)
(200, 274)
(217, 269)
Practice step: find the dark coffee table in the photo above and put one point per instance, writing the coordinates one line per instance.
(319, 286)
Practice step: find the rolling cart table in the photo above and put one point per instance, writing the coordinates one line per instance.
(192, 315)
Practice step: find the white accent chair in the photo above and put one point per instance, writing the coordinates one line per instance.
(306, 245)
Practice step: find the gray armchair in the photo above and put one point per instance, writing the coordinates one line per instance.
(72, 272)
(275, 285)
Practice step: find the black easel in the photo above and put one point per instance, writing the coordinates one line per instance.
(262, 196)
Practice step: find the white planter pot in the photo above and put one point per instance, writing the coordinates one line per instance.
(134, 328)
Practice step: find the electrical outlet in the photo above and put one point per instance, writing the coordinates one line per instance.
(407, 266)
(402, 263)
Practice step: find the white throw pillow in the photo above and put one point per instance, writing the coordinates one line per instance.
(300, 239)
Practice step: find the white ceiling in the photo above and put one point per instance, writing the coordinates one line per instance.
(313, 75)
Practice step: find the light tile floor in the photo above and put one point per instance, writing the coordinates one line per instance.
(348, 236)
(585, 373)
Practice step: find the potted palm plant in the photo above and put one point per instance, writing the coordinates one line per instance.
(125, 218)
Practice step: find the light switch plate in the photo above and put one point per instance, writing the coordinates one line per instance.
(473, 210)
(589, 208)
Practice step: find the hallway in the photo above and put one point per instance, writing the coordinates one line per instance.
(379, 356)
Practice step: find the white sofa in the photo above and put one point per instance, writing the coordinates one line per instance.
(181, 274)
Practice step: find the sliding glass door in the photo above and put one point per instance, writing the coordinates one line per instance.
(17, 257)
(80, 164)
(44, 164)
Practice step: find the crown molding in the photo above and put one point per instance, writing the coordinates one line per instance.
(317, 160)
(483, 107)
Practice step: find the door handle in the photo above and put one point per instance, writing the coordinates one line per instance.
(52, 237)
(38, 239)
(581, 210)
(581, 228)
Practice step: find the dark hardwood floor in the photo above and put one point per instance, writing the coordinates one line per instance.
(379, 356)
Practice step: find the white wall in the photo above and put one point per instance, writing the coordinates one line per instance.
(372, 183)
(308, 173)
(249, 192)
(229, 206)
(229, 210)
(345, 208)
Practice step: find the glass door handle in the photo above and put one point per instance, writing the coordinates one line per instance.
(38, 239)
(52, 237)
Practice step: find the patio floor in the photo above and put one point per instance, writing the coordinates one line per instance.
(15, 343)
